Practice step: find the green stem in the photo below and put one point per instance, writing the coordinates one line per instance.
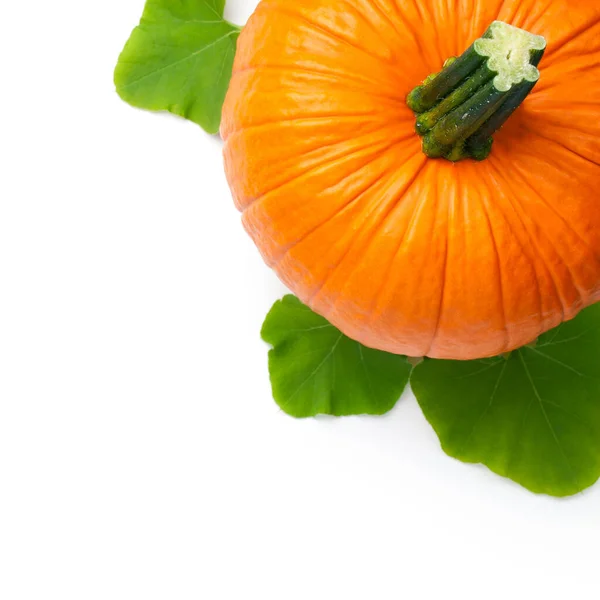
(427, 120)
(479, 145)
(459, 109)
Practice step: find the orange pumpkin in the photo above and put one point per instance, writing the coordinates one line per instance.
(405, 253)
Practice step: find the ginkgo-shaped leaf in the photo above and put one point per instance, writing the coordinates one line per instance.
(315, 369)
(179, 59)
(533, 416)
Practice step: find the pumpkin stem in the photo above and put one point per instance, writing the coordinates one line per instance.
(459, 109)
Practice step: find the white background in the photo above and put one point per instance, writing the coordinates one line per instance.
(141, 454)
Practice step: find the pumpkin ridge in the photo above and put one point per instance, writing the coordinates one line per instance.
(324, 30)
(425, 343)
(339, 151)
(504, 311)
(367, 148)
(523, 246)
(573, 35)
(372, 129)
(408, 24)
(430, 21)
(564, 71)
(333, 212)
(372, 235)
(456, 33)
(450, 215)
(371, 184)
(582, 292)
(547, 118)
(550, 106)
(542, 13)
(548, 84)
(553, 209)
(475, 19)
(376, 308)
(367, 21)
(520, 240)
(324, 72)
(246, 128)
(334, 79)
(543, 259)
(426, 20)
(567, 148)
(558, 165)
(512, 18)
(385, 17)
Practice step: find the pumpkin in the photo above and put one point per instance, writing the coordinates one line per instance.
(400, 248)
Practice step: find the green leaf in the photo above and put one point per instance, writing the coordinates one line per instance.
(179, 59)
(533, 416)
(315, 369)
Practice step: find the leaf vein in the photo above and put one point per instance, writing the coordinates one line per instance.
(177, 62)
(548, 422)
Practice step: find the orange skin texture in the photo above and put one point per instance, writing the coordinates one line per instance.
(403, 253)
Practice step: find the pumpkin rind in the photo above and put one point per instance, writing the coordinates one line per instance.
(404, 253)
